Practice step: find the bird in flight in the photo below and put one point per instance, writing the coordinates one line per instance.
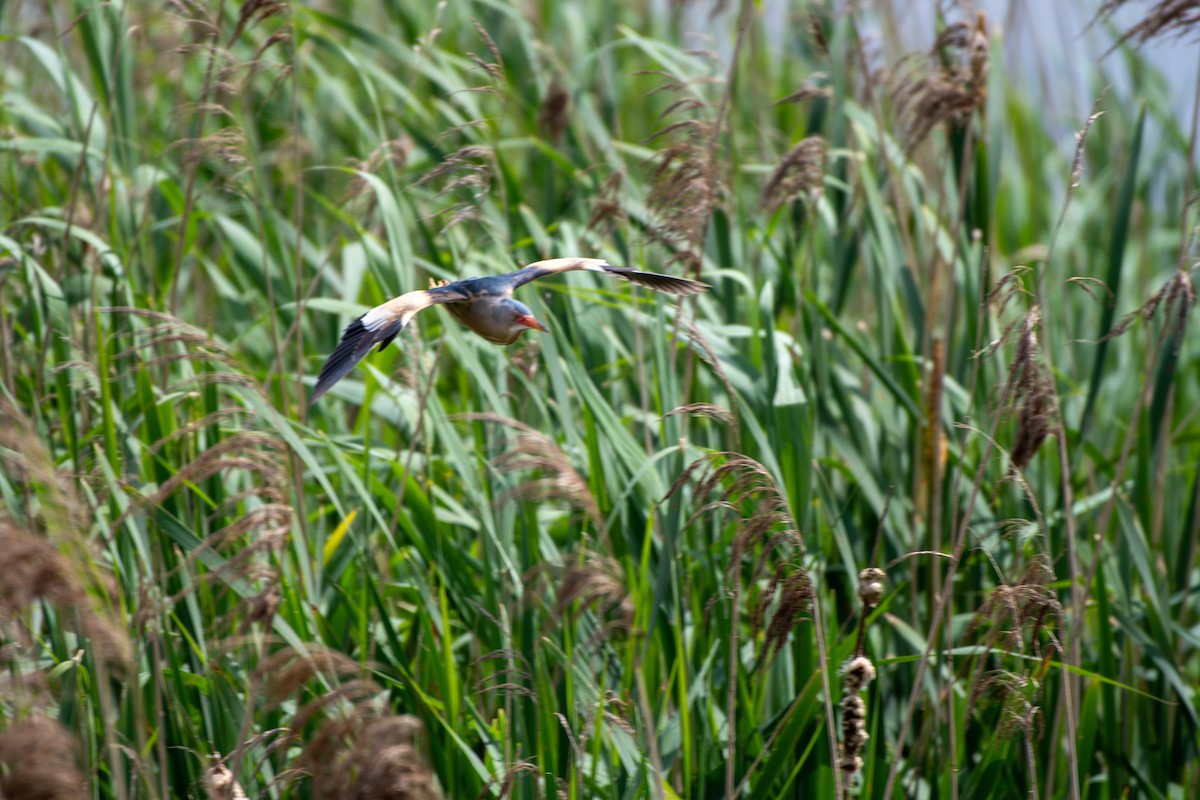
(485, 305)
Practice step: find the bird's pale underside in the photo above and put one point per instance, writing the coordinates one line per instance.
(485, 305)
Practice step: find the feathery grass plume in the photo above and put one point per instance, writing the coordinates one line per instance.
(58, 566)
(38, 761)
(34, 569)
(357, 750)
(606, 208)
(469, 171)
(262, 607)
(1167, 18)
(709, 356)
(365, 755)
(535, 451)
(219, 783)
(686, 184)
(719, 413)
(388, 763)
(254, 11)
(509, 680)
(507, 782)
(287, 671)
(765, 528)
(1030, 390)
(1012, 616)
(494, 69)
(800, 173)
(808, 91)
(949, 85)
(596, 583)
(795, 596)
(392, 155)
(1177, 296)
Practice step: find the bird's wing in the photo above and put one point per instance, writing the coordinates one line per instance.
(379, 326)
(653, 280)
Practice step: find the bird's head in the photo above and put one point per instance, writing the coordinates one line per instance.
(522, 318)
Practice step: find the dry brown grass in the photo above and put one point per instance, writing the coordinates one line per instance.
(948, 85)
(799, 174)
(535, 452)
(38, 762)
(1167, 18)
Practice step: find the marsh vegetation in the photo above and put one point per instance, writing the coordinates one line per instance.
(904, 506)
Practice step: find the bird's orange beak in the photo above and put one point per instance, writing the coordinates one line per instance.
(529, 322)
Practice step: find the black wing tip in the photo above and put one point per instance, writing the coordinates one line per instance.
(356, 342)
(670, 284)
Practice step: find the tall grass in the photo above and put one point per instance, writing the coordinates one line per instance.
(631, 557)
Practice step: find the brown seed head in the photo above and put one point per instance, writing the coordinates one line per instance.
(801, 173)
(555, 113)
(219, 782)
(37, 760)
(858, 673)
(871, 586)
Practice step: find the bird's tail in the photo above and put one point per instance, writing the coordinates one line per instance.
(357, 340)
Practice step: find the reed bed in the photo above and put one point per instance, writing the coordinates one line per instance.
(905, 506)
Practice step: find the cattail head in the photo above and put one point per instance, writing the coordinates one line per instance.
(858, 672)
(870, 586)
(219, 783)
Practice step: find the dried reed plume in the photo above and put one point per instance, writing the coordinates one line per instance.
(801, 173)
(494, 69)
(38, 761)
(596, 583)
(764, 527)
(535, 451)
(364, 755)
(254, 11)
(686, 185)
(469, 169)
(287, 671)
(388, 763)
(34, 569)
(510, 680)
(606, 208)
(1013, 615)
(795, 595)
(357, 749)
(508, 781)
(1177, 297)
(1031, 392)
(1168, 18)
(954, 83)
(808, 91)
